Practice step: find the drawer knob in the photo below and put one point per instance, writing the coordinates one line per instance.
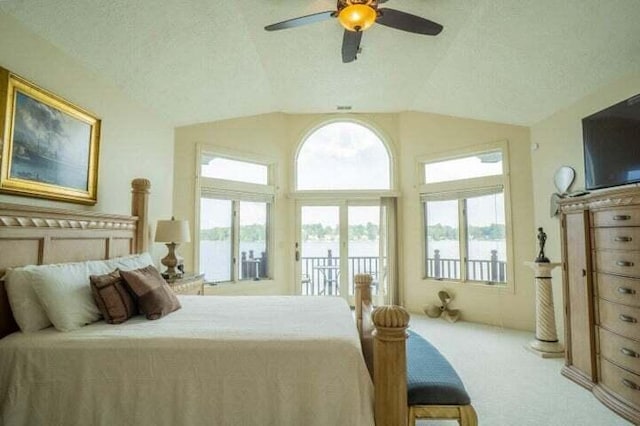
(625, 290)
(629, 352)
(624, 263)
(627, 318)
(621, 217)
(622, 239)
(629, 384)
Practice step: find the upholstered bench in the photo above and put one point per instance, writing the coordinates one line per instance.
(435, 390)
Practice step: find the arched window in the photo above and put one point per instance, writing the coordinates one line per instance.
(343, 156)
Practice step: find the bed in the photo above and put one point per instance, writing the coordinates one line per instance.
(218, 360)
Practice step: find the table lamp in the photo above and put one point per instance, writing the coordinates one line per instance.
(172, 232)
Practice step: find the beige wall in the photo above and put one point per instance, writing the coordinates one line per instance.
(409, 135)
(424, 134)
(264, 135)
(135, 142)
(559, 140)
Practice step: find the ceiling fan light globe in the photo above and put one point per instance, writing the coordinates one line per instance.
(357, 17)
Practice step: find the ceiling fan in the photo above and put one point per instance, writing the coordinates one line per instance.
(358, 15)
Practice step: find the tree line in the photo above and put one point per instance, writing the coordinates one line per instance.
(254, 232)
(370, 232)
(445, 232)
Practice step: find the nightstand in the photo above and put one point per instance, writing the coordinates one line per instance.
(192, 284)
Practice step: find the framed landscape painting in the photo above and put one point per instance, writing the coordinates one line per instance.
(49, 146)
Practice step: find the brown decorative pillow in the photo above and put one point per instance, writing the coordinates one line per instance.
(112, 297)
(154, 296)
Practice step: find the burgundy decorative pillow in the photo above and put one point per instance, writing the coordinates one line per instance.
(153, 295)
(112, 297)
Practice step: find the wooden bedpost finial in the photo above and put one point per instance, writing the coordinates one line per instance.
(141, 185)
(390, 317)
(363, 294)
(363, 280)
(390, 365)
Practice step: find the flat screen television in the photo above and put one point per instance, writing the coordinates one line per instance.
(612, 145)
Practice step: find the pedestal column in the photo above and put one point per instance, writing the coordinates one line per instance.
(546, 343)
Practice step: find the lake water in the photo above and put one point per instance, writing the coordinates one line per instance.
(49, 171)
(215, 256)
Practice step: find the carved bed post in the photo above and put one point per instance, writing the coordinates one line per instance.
(140, 208)
(364, 306)
(390, 365)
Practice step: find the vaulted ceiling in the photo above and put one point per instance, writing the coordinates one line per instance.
(204, 60)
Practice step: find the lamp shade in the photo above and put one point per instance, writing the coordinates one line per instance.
(172, 231)
(357, 17)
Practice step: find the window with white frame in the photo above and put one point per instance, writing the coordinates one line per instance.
(343, 155)
(236, 200)
(465, 220)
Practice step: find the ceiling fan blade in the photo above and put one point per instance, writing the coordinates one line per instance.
(302, 20)
(407, 22)
(350, 45)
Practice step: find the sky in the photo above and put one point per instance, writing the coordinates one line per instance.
(350, 156)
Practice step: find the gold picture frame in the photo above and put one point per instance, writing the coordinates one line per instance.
(49, 146)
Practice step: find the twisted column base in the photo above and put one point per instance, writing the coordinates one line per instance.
(546, 343)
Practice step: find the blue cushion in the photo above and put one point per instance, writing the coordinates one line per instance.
(431, 380)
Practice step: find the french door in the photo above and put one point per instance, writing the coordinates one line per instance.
(336, 241)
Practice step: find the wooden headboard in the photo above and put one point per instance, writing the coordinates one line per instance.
(36, 235)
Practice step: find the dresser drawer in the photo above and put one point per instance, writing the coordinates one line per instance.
(620, 319)
(620, 350)
(618, 289)
(623, 216)
(620, 381)
(617, 238)
(618, 262)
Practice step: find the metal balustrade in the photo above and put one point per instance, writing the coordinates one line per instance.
(491, 270)
(253, 268)
(321, 275)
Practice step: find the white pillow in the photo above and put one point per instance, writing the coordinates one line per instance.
(97, 267)
(25, 305)
(65, 293)
(129, 263)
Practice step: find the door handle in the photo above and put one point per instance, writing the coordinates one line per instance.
(629, 384)
(629, 352)
(627, 318)
(625, 290)
(624, 263)
(622, 239)
(621, 217)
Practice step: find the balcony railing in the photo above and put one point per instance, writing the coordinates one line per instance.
(492, 270)
(253, 268)
(321, 275)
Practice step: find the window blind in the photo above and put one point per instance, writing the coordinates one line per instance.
(461, 193)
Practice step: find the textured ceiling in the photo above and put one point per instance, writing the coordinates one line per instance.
(196, 60)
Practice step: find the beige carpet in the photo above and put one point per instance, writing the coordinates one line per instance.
(508, 385)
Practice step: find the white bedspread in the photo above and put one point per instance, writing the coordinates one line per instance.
(217, 361)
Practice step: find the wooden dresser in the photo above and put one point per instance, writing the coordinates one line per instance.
(601, 255)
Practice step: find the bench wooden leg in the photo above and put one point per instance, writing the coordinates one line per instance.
(464, 414)
(412, 417)
(468, 416)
